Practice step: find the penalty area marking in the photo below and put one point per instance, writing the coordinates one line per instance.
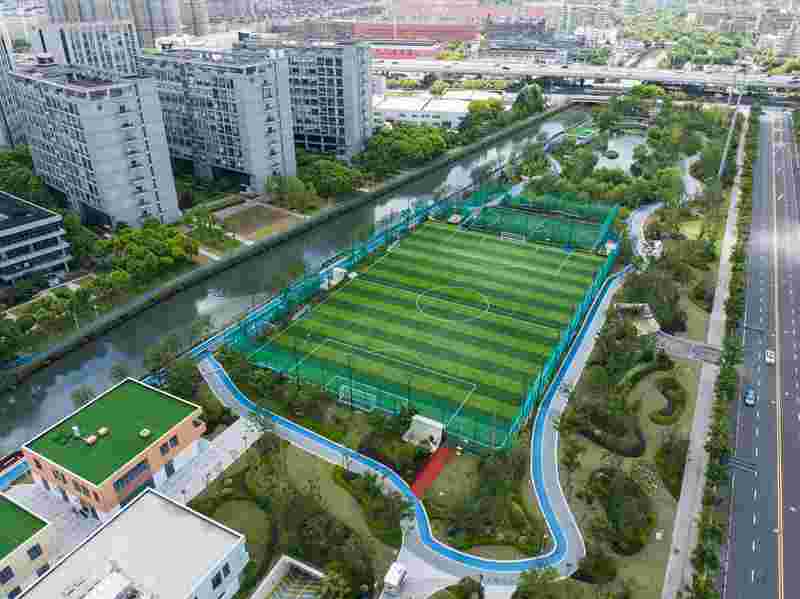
(421, 295)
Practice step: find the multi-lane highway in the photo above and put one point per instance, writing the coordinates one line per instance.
(507, 68)
(765, 521)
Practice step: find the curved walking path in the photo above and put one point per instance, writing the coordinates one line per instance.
(437, 564)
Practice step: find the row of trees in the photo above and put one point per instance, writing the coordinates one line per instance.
(711, 534)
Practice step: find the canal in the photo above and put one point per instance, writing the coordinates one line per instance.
(44, 398)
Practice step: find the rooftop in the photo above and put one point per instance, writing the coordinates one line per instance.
(155, 545)
(125, 410)
(17, 525)
(411, 103)
(208, 57)
(15, 212)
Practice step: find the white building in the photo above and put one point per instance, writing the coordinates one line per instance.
(153, 548)
(100, 142)
(447, 111)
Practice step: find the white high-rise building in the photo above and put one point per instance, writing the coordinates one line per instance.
(99, 141)
(331, 91)
(227, 112)
(101, 46)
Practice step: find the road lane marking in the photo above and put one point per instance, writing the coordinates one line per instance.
(756, 432)
(755, 494)
(755, 518)
(756, 451)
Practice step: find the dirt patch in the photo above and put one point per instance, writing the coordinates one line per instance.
(259, 221)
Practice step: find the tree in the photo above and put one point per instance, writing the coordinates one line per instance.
(537, 584)
(182, 378)
(530, 100)
(161, 354)
(439, 88)
(670, 183)
(10, 339)
(82, 395)
(82, 241)
(120, 371)
(571, 452)
(201, 326)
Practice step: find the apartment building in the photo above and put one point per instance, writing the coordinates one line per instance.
(101, 47)
(227, 112)
(100, 142)
(129, 438)
(10, 132)
(32, 239)
(25, 543)
(155, 19)
(153, 548)
(330, 88)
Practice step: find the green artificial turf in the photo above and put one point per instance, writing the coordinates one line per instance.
(17, 526)
(125, 411)
(458, 323)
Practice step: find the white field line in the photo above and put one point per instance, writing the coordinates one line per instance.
(339, 288)
(521, 323)
(561, 266)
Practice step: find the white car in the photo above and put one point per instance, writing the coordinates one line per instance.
(769, 356)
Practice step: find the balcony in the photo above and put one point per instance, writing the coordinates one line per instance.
(35, 254)
(12, 246)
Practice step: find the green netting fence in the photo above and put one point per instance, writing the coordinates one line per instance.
(351, 376)
(536, 227)
(566, 205)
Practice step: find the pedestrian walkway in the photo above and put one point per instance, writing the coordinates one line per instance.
(690, 504)
(431, 470)
(69, 528)
(193, 478)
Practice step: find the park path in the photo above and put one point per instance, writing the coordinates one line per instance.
(690, 504)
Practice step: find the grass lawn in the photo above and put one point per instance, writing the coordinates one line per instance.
(647, 567)
(125, 411)
(304, 467)
(455, 323)
(692, 228)
(247, 518)
(257, 222)
(18, 525)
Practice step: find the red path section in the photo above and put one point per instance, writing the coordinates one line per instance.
(431, 470)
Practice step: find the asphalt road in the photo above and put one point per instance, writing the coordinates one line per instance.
(505, 67)
(765, 522)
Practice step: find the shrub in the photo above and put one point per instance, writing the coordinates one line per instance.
(676, 397)
(671, 461)
(628, 509)
(598, 567)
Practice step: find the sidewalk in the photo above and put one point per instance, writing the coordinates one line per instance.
(684, 535)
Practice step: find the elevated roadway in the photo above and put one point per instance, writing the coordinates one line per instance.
(507, 68)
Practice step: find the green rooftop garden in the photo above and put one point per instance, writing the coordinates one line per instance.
(18, 525)
(124, 411)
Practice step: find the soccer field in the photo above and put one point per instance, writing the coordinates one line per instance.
(454, 323)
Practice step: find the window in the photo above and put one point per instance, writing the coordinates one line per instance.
(7, 574)
(96, 496)
(216, 581)
(129, 476)
(46, 484)
(41, 570)
(35, 551)
(38, 465)
(15, 592)
(226, 570)
(164, 449)
(173, 442)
